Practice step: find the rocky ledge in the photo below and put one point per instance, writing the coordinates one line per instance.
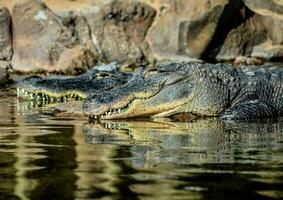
(33, 38)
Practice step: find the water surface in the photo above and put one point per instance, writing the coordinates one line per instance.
(48, 157)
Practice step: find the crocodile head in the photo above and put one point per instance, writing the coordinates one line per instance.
(61, 89)
(149, 92)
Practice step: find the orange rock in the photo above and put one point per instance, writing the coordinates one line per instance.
(41, 39)
(183, 27)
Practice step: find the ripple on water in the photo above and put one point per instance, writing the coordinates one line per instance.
(45, 156)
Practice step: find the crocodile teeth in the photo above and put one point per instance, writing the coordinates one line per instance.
(111, 111)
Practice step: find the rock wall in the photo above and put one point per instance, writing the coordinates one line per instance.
(42, 41)
(132, 32)
(258, 35)
(118, 29)
(184, 27)
(5, 34)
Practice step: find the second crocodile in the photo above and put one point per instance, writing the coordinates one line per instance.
(54, 89)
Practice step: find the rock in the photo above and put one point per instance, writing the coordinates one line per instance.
(260, 35)
(241, 40)
(5, 34)
(272, 8)
(82, 30)
(4, 75)
(175, 58)
(271, 18)
(84, 35)
(110, 67)
(76, 60)
(41, 39)
(247, 61)
(118, 29)
(268, 51)
(184, 27)
(270, 15)
(131, 32)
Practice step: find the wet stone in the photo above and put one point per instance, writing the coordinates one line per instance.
(5, 34)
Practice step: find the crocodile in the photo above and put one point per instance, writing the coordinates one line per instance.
(62, 89)
(222, 90)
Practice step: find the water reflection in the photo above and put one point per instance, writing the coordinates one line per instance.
(47, 157)
(205, 140)
(41, 154)
(205, 158)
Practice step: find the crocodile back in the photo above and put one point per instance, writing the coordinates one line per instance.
(264, 83)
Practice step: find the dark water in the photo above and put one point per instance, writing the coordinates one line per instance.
(47, 157)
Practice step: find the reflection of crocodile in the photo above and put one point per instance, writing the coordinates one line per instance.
(157, 133)
(247, 92)
(206, 140)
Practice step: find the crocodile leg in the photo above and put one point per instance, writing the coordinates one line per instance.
(249, 110)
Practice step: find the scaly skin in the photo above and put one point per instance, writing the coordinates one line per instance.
(51, 90)
(243, 93)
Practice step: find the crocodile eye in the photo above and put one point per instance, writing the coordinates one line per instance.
(102, 75)
(150, 72)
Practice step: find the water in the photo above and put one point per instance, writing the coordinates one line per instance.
(48, 157)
